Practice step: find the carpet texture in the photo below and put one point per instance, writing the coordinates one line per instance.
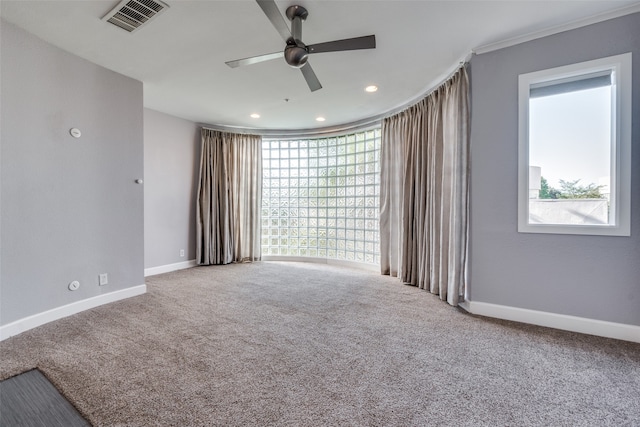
(312, 345)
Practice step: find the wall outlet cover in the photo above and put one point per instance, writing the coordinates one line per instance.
(103, 279)
(74, 285)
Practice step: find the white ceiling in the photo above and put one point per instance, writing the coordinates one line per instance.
(180, 56)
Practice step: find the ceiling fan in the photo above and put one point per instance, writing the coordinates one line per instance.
(296, 52)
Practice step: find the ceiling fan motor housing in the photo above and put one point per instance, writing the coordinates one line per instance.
(295, 55)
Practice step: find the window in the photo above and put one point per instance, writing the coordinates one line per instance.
(575, 148)
(321, 197)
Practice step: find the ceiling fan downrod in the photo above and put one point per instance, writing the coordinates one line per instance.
(296, 53)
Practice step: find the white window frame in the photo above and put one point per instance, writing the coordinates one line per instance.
(619, 221)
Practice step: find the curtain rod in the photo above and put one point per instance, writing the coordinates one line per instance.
(352, 126)
(298, 133)
(432, 88)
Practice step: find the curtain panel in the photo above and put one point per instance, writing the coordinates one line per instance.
(229, 198)
(424, 191)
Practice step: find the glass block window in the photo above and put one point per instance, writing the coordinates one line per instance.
(321, 197)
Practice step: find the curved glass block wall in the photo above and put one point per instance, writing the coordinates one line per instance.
(321, 197)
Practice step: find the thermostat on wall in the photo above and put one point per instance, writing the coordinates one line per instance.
(75, 132)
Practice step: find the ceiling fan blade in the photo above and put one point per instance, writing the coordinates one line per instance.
(254, 59)
(270, 9)
(365, 42)
(310, 77)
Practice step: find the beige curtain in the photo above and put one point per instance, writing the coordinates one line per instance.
(424, 191)
(229, 198)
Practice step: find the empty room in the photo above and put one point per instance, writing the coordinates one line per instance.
(319, 213)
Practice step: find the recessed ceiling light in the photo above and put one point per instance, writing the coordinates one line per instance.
(372, 88)
(255, 116)
(320, 119)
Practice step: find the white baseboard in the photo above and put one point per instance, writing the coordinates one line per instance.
(22, 325)
(169, 267)
(565, 322)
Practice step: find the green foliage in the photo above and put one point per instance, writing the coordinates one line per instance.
(569, 190)
(572, 190)
(546, 191)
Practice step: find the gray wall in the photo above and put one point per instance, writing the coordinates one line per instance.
(587, 276)
(171, 168)
(70, 208)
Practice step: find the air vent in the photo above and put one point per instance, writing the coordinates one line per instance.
(130, 15)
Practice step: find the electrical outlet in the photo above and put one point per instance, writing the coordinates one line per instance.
(103, 279)
(181, 252)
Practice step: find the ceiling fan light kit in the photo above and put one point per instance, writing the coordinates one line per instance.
(296, 53)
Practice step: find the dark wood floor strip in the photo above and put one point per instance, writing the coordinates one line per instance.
(29, 399)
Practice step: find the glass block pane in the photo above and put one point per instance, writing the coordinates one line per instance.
(308, 183)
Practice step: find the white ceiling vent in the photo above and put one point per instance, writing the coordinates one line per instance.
(130, 15)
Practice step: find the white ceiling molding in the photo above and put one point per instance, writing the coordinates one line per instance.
(558, 29)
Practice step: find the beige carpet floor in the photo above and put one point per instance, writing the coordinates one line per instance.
(293, 344)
